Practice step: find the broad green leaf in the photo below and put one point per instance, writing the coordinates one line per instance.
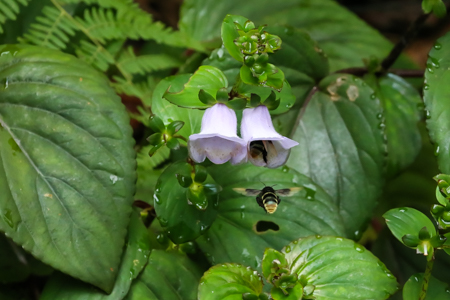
(435, 95)
(299, 53)
(406, 220)
(169, 112)
(183, 221)
(402, 105)
(134, 258)
(207, 78)
(229, 281)
(342, 35)
(341, 147)
(229, 33)
(339, 269)
(13, 264)
(436, 289)
(68, 167)
(243, 230)
(168, 275)
(303, 63)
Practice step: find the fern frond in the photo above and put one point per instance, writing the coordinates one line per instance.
(142, 90)
(52, 30)
(9, 10)
(94, 55)
(133, 64)
(124, 19)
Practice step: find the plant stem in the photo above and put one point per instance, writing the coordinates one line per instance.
(404, 41)
(426, 276)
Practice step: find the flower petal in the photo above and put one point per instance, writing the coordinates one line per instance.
(257, 125)
(218, 139)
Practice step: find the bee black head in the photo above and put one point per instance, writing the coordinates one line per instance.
(267, 189)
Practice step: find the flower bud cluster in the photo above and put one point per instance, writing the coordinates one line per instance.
(219, 142)
(255, 44)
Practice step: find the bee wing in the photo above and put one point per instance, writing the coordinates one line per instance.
(289, 192)
(247, 192)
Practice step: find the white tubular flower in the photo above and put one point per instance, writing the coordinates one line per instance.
(217, 139)
(266, 147)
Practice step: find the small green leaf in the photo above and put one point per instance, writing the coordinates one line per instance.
(229, 281)
(168, 275)
(168, 112)
(295, 293)
(271, 101)
(206, 98)
(222, 95)
(229, 34)
(184, 181)
(411, 240)
(271, 263)
(197, 198)
(406, 220)
(237, 104)
(437, 290)
(173, 144)
(208, 78)
(255, 100)
(156, 124)
(174, 127)
(441, 199)
(339, 269)
(183, 222)
(153, 150)
(200, 174)
(156, 139)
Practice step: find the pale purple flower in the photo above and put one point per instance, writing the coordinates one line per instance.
(266, 147)
(217, 139)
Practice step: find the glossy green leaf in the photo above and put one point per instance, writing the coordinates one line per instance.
(402, 106)
(68, 168)
(436, 289)
(169, 112)
(435, 95)
(344, 37)
(183, 221)
(406, 220)
(294, 293)
(229, 281)
(168, 275)
(299, 53)
(243, 230)
(134, 258)
(207, 78)
(229, 34)
(339, 269)
(13, 263)
(341, 147)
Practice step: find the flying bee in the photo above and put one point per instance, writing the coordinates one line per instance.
(262, 149)
(268, 198)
